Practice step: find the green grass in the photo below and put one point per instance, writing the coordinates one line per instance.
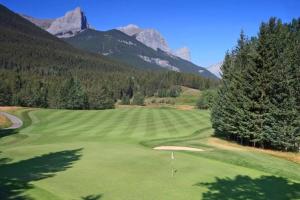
(72, 155)
(188, 96)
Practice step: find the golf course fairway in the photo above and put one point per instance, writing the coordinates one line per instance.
(108, 155)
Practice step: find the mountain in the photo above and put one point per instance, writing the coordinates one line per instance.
(215, 69)
(69, 25)
(38, 69)
(150, 37)
(153, 39)
(128, 49)
(141, 48)
(183, 53)
(26, 46)
(43, 23)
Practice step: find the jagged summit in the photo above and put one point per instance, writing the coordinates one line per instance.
(216, 69)
(183, 53)
(150, 37)
(71, 23)
(153, 39)
(130, 29)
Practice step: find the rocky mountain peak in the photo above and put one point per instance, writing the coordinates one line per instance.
(152, 38)
(149, 37)
(130, 29)
(183, 53)
(216, 69)
(71, 23)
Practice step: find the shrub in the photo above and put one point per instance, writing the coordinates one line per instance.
(125, 100)
(206, 99)
(138, 99)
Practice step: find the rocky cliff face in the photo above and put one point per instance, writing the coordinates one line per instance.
(69, 25)
(152, 38)
(149, 37)
(216, 69)
(130, 29)
(183, 53)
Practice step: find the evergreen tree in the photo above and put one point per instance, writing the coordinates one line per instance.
(5, 94)
(102, 100)
(258, 101)
(138, 99)
(72, 95)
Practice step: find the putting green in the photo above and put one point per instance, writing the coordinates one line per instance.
(72, 155)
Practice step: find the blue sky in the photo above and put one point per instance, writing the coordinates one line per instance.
(209, 28)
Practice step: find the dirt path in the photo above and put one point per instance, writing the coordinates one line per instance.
(16, 122)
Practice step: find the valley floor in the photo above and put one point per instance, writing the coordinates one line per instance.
(63, 154)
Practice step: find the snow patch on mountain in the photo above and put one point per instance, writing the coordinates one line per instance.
(160, 62)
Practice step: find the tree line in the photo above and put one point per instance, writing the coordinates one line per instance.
(258, 102)
(90, 89)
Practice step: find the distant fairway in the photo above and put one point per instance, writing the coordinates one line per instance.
(72, 155)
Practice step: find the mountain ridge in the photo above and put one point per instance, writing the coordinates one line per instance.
(120, 46)
(154, 51)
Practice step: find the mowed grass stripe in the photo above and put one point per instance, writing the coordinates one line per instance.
(195, 117)
(151, 125)
(74, 121)
(168, 124)
(181, 119)
(96, 122)
(60, 118)
(49, 119)
(133, 122)
(115, 122)
(123, 124)
(64, 121)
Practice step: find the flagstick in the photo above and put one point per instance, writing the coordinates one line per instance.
(172, 158)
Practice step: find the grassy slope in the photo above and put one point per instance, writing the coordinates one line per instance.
(188, 97)
(74, 154)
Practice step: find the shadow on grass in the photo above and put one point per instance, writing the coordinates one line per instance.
(7, 132)
(92, 197)
(15, 178)
(247, 188)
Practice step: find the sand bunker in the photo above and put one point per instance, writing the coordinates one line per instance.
(176, 148)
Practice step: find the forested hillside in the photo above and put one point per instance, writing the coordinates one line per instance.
(40, 70)
(259, 101)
